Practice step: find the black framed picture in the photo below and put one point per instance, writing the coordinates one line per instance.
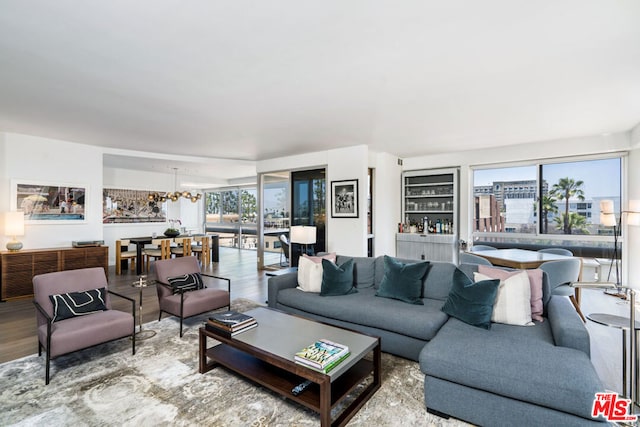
(344, 199)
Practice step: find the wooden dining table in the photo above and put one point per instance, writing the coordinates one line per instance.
(518, 258)
(145, 240)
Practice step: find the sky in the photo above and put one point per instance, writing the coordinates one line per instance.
(601, 177)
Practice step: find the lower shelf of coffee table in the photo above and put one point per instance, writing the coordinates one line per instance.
(282, 381)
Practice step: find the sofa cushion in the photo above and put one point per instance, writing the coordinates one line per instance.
(363, 270)
(535, 285)
(364, 308)
(337, 279)
(437, 283)
(402, 281)
(74, 304)
(471, 302)
(513, 302)
(514, 362)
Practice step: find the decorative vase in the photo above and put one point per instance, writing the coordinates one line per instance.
(171, 233)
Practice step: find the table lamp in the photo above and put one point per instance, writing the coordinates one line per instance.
(14, 227)
(303, 235)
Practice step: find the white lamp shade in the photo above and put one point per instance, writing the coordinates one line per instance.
(303, 234)
(633, 217)
(606, 207)
(608, 219)
(14, 224)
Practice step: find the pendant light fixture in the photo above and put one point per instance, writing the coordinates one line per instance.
(174, 195)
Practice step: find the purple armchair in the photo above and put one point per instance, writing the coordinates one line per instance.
(82, 327)
(187, 303)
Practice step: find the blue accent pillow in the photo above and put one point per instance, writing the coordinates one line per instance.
(471, 302)
(337, 280)
(186, 282)
(402, 281)
(74, 304)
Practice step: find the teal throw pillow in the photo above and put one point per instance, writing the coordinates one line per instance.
(471, 302)
(337, 280)
(402, 281)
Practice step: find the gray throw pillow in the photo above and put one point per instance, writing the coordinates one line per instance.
(402, 281)
(337, 280)
(471, 302)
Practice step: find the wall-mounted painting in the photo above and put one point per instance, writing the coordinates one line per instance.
(344, 199)
(49, 203)
(129, 206)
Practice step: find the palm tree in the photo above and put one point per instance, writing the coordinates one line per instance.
(575, 222)
(564, 190)
(548, 206)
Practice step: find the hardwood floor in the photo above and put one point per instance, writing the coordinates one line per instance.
(17, 333)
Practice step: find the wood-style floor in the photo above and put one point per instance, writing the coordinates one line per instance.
(17, 318)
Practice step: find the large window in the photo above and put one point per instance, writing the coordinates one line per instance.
(233, 214)
(546, 199)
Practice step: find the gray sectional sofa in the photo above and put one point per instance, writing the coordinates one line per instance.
(507, 375)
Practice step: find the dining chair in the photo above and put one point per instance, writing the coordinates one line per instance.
(185, 302)
(556, 251)
(284, 246)
(124, 255)
(561, 274)
(183, 248)
(478, 248)
(202, 249)
(73, 312)
(467, 258)
(161, 250)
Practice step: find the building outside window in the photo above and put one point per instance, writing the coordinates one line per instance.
(546, 199)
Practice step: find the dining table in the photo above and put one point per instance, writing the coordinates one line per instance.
(140, 242)
(518, 258)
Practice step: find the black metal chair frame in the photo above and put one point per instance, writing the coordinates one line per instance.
(182, 292)
(50, 321)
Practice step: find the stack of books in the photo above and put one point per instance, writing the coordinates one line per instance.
(230, 323)
(323, 355)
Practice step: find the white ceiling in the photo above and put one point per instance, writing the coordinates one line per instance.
(255, 80)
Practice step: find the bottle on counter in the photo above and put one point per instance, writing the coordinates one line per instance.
(438, 226)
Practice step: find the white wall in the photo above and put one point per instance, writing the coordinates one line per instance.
(57, 162)
(631, 247)
(348, 235)
(386, 202)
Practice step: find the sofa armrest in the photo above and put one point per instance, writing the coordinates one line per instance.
(276, 283)
(566, 326)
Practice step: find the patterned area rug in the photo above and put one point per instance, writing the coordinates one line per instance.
(160, 385)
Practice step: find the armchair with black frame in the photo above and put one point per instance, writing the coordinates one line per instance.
(186, 301)
(73, 312)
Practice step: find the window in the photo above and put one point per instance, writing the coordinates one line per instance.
(546, 199)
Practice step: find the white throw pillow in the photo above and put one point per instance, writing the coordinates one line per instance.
(513, 302)
(309, 275)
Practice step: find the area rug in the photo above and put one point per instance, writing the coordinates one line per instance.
(160, 385)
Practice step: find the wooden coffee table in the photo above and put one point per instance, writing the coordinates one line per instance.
(265, 355)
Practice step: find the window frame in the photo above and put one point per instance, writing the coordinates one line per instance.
(538, 163)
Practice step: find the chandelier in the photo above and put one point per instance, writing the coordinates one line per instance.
(174, 195)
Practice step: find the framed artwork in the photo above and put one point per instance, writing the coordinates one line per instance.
(122, 206)
(344, 199)
(49, 203)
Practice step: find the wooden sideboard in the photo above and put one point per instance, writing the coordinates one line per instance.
(18, 268)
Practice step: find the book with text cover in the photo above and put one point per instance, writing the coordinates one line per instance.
(321, 354)
(329, 367)
(210, 326)
(231, 320)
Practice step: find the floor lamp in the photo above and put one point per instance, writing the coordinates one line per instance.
(632, 218)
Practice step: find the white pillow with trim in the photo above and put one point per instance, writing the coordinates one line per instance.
(513, 301)
(309, 275)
